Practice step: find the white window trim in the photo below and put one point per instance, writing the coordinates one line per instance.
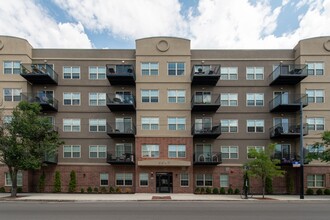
(107, 179)
(97, 73)
(176, 96)
(254, 73)
(12, 67)
(72, 98)
(230, 146)
(97, 99)
(98, 125)
(176, 68)
(97, 151)
(255, 99)
(176, 150)
(71, 145)
(228, 67)
(149, 151)
(229, 94)
(181, 180)
(150, 124)
(204, 180)
(147, 180)
(176, 124)
(71, 67)
(149, 68)
(18, 173)
(255, 126)
(72, 124)
(229, 120)
(124, 179)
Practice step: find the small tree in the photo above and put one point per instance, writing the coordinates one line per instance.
(263, 166)
(317, 153)
(42, 182)
(73, 182)
(57, 182)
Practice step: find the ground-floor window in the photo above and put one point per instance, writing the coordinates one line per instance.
(104, 179)
(204, 180)
(184, 179)
(315, 180)
(224, 180)
(124, 179)
(144, 179)
(19, 179)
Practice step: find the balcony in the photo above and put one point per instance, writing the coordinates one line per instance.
(50, 158)
(39, 73)
(47, 104)
(205, 75)
(286, 74)
(120, 74)
(205, 103)
(116, 102)
(205, 130)
(125, 159)
(288, 131)
(207, 158)
(287, 103)
(121, 130)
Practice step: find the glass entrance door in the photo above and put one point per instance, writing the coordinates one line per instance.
(164, 182)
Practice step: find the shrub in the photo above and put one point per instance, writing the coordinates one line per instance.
(57, 182)
(327, 192)
(111, 189)
(118, 190)
(202, 190)
(73, 182)
(96, 190)
(2, 190)
(230, 191)
(309, 191)
(42, 182)
(222, 190)
(269, 186)
(236, 191)
(82, 190)
(208, 190)
(89, 190)
(103, 190)
(198, 190)
(215, 191)
(319, 192)
(19, 189)
(128, 190)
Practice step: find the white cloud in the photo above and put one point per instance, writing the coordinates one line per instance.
(28, 20)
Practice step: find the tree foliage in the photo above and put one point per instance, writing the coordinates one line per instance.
(57, 182)
(73, 182)
(26, 140)
(317, 154)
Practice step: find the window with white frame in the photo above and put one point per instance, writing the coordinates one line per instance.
(229, 99)
(150, 150)
(11, 67)
(97, 99)
(97, 151)
(71, 72)
(315, 149)
(184, 179)
(204, 180)
(176, 96)
(257, 148)
(71, 151)
(204, 97)
(71, 98)
(104, 179)
(12, 95)
(224, 180)
(144, 179)
(124, 179)
(19, 177)
(123, 148)
(315, 68)
(71, 125)
(229, 125)
(175, 69)
(228, 73)
(150, 123)
(255, 126)
(254, 73)
(254, 99)
(149, 95)
(7, 119)
(97, 72)
(315, 95)
(149, 69)
(229, 152)
(97, 125)
(315, 124)
(176, 123)
(315, 181)
(176, 151)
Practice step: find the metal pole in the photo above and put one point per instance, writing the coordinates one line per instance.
(301, 152)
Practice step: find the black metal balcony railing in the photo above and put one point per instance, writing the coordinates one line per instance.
(48, 104)
(284, 130)
(50, 158)
(205, 74)
(118, 102)
(121, 130)
(205, 103)
(287, 102)
(288, 74)
(286, 158)
(120, 74)
(39, 73)
(125, 159)
(207, 158)
(206, 130)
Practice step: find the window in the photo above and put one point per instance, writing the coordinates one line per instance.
(230, 126)
(124, 179)
(149, 69)
(12, 95)
(122, 149)
(224, 180)
(11, 67)
(71, 72)
(71, 98)
(104, 179)
(257, 148)
(71, 151)
(124, 97)
(150, 123)
(228, 73)
(176, 151)
(176, 124)
(315, 180)
(229, 152)
(312, 149)
(124, 125)
(150, 150)
(315, 124)
(315, 68)
(254, 73)
(203, 98)
(97, 72)
(184, 179)
(71, 125)
(315, 95)
(229, 99)
(176, 96)
(204, 180)
(97, 99)
(97, 125)
(255, 126)
(7, 119)
(19, 179)
(144, 179)
(150, 95)
(254, 99)
(175, 69)
(97, 151)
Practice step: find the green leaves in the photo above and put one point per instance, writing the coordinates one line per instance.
(318, 153)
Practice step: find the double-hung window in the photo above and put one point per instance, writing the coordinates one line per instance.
(184, 179)
(19, 177)
(144, 179)
(97, 151)
(254, 73)
(149, 95)
(204, 180)
(175, 69)
(71, 98)
(229, 73)
(150, 123)
(150, 150)
(124, 179)
(229, 152)
(230, 126)
(224, 180)
(12, 95)
(97, 72)
(71, 125)
(71, 72)
(254, 99)
(149, 69)
(315, 68)
(97, 125)
(315, 124)
(229, 99)
(71, 151)
(176, 96)
(315, 95)
(176, 123)
(176, 151)
(104, 179)
(315, 181)
(255, 126)
(11, 67)
(97, 99)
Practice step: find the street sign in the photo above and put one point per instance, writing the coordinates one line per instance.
(296, 164)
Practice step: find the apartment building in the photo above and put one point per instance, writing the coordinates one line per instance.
(166, 118)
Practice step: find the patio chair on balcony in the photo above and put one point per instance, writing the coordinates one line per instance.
(112, 71)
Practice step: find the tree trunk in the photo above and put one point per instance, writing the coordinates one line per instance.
(13, 176)
(263, 187)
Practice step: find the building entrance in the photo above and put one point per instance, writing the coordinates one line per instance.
(164, 182)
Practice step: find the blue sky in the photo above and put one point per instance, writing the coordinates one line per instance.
(216, 24)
